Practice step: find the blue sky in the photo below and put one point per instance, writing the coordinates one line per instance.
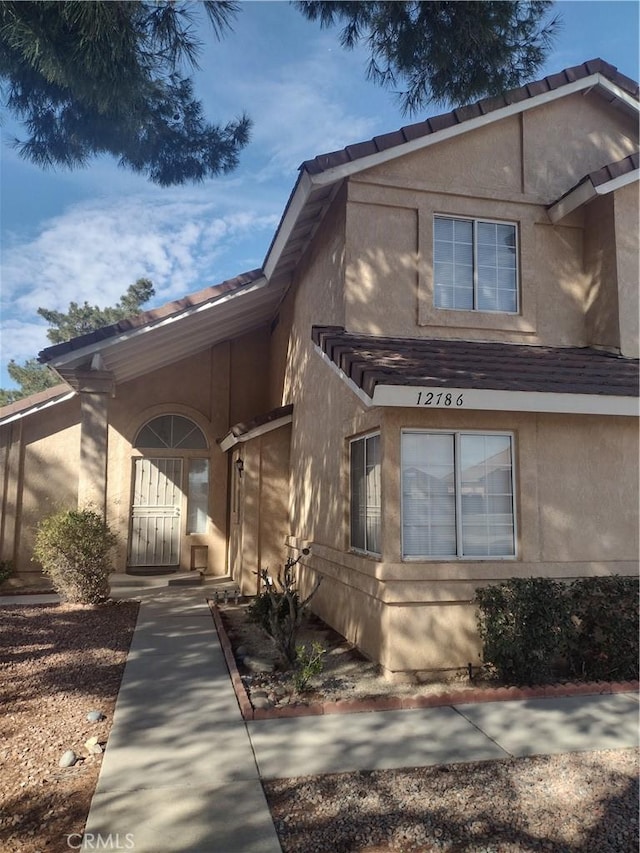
(87, 235)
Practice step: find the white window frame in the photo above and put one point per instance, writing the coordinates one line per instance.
(458, 557)
(475, 220)
(352, 441)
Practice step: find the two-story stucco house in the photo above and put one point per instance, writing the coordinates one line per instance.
(432, 381)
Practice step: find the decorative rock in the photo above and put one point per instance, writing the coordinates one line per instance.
(95, 716)
(259, 694)
(258, 664)
(261, 702)
(241, 651)
(68, 759)
(93, 747)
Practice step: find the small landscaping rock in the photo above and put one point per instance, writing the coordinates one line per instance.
(254, 664)
(95, 716)
(261, 702)
(68, 758)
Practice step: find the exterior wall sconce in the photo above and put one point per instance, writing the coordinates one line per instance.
(239, 463)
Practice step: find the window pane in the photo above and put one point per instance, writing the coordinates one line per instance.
(373, 494)
(171, 431)
(358, 495)
(428, 493)
(443, 228)
(486, 499)
(198, 496)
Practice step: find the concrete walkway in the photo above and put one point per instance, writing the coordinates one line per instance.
(181, 772)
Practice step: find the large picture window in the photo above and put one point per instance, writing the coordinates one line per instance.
(365, 494)
(475, 266)
(457, 494)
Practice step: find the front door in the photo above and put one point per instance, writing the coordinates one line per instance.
(156, 512)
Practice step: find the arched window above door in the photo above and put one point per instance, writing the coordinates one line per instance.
(171, 432)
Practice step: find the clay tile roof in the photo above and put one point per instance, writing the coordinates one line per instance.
(370, 360)
(49, 395)
(614, 170)
(147, 318)
(464, 113)
(246, 427)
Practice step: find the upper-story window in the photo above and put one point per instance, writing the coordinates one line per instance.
(475, 265)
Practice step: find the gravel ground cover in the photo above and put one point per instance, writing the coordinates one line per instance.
(576, 803)
(583, 802)
(57, 663)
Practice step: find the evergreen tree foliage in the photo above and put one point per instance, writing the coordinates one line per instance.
(106, 77)
(444, 52)
(80, 319)
(33, 377)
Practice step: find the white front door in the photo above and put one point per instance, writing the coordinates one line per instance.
(156, 512)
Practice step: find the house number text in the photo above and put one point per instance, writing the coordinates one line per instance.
(439, 398)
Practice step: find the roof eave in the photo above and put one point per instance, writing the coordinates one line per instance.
(587, 191)
(81, 354)
(584, 85)
(308, 181)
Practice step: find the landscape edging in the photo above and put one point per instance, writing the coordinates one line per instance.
(402, 703)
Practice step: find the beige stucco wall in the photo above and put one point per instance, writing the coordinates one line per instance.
(627, 225)
(576, 476)
(215, 388)
(509, 170)
(40, 478)
(415, 616)
(259, 517)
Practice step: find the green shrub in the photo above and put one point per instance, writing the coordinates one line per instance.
(73, 548)
(6, 570)
(602, 636)
(309, 662)
(521, 623)
(537, 629)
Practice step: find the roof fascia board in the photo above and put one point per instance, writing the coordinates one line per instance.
(576, 198)
(230, 440)
(359, 165)
(32, 410)
(296, 205)
(586, 192)
(104, 344)
(411, 396)
(617, 183)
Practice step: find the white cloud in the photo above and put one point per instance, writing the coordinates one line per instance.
(96, 249)
(22, 339)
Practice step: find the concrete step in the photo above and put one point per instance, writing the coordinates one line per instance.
(176, 579)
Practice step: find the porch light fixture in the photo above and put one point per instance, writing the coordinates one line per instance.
(239, 463)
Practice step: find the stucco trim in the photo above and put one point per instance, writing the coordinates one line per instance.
(410, 396)
(230, 440)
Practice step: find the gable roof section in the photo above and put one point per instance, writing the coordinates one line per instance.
(608, 81)
(156, 338)
(321, 176)
(605, 180)
(374, 366)
(35, 403)
(174, 331)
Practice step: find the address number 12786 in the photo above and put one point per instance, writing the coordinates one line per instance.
(441, 398)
